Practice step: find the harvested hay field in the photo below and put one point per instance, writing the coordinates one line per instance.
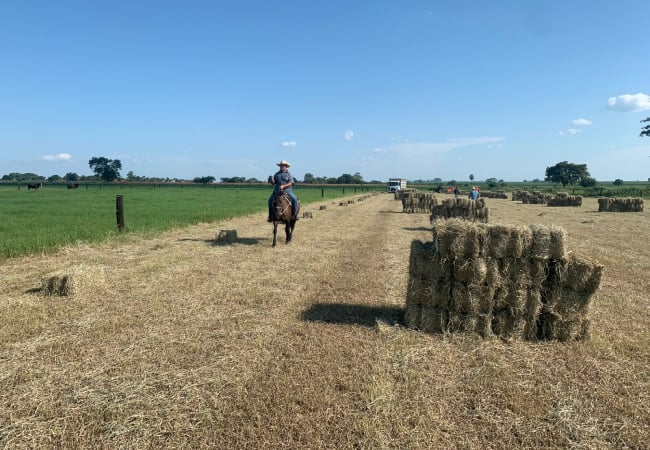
(191, 344)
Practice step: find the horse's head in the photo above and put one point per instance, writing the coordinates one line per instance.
(281, 206)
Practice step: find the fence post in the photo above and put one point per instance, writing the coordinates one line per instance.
(119, 212)
(322, 192)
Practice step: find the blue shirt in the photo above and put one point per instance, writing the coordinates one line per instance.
(281, 178)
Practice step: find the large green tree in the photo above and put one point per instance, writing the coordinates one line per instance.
(567, 173)
(106, 169)
(645, 131)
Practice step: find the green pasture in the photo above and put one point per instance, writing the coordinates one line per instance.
(43, 220)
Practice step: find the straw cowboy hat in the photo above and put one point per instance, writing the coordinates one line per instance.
(284, 163)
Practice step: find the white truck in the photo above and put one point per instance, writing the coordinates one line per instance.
(395, 184)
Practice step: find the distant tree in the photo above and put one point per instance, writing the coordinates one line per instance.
(588, 182)
(618, 182)
(204, 180)
(566, 173)
(71, 176)
(471, 177)
(452, 182)
(491, 182)
(645, 131)
(106, 169)
(309, 178)
(54, 178)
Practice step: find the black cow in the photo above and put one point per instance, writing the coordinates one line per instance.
(73, 185)
(31, 186)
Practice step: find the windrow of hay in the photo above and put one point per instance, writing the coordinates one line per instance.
(418, 202)
(618, 204)
(74, 280)
(564, 199)
(495, 194)
(533, 198)
(462, 208)
(499, 280)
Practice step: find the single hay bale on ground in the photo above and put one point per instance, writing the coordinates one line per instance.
(73, 280)
(307, 215)
(226, 236)
(322, 207)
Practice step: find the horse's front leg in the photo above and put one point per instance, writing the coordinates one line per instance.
(288, 230)
(275, 232)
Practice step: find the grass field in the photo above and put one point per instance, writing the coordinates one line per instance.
(45, 219)
(180, 341)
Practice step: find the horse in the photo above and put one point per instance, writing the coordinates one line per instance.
(281, 213)
(34, 186)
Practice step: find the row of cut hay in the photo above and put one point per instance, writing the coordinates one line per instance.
(564, 199)
(419, 202)
(495, 194)
(467, 280)
(461, 208)
(401, 193)
(618, 204)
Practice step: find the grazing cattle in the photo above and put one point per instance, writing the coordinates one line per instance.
(73, 185)
(31, 186)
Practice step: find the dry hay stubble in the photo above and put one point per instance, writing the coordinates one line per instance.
(191, 350)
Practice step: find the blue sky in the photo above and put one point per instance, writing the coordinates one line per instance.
(410, 89)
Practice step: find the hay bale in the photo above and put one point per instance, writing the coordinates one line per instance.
(307, 215)
(73, 280)
(226, 236)
(322, 207)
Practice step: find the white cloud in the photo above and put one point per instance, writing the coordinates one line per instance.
(348, 135)
(287, 144)
(629, 103)
(580, 122)
(58, 157)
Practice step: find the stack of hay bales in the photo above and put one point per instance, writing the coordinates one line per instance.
(419, 202)
(518, 195)
(464, 208)
(620, 204)
(497, 194)
(508, 281)
(564, 199)
(535, 198)
(401, 193)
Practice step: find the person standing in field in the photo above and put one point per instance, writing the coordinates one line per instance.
(283, 181)
(474, 194)
(456, 192)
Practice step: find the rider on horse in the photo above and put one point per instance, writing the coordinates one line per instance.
(283, 182)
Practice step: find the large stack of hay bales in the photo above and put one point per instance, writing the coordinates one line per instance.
(564, 199)
(418, 202)
(508, 281)
(401, 193)
(496, 194)
(615, 204)
(464, 208)
(536, 198)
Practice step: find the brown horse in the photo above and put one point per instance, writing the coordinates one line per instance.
(281, 213)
